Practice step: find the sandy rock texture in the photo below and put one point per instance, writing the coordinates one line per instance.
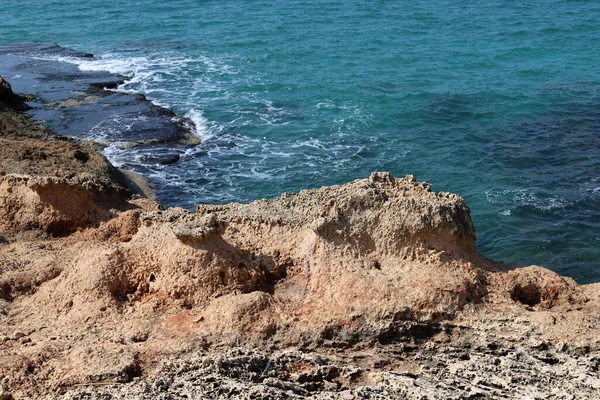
(372, 289)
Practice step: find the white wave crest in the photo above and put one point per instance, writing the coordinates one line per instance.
(201, 126)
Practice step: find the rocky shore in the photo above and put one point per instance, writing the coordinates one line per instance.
(372, 289)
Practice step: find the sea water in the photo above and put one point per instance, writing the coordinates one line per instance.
(498, 101)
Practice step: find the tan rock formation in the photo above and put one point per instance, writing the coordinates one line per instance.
(96, 288)
(372, 261)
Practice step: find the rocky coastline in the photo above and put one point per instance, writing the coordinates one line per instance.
(372, 289)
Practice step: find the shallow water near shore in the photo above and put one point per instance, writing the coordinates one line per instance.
(498, 102)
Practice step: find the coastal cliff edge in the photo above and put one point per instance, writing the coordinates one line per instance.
(371, 289)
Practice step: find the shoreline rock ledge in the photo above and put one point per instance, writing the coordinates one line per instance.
(372, 289)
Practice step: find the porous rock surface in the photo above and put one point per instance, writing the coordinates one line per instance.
(372, 289)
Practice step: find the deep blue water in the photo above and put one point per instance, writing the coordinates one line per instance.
(498, 101)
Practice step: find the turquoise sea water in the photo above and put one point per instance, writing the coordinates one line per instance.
(498, 101)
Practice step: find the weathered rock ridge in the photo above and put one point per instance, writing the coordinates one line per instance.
(357, 290)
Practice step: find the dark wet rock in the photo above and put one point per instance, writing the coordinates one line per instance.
(6, 92)
(163, 159)
(75, 103)
(8, 97)
(33, 49)
(109, 84)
